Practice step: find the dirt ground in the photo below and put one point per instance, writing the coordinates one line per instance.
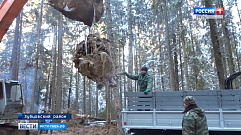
(77, 126)
(94, 130)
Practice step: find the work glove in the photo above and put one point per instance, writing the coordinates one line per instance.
(146, 92)
(123, 73)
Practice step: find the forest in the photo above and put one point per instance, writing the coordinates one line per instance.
(182, 52)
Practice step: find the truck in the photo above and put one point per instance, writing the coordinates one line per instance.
(161, 113)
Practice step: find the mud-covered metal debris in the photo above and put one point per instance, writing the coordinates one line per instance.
(97, 64)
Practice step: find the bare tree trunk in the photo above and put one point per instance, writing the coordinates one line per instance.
(175, 63)
(228, 45)
(89, 112)
(170, 66)
(195, 67)
(139, 53)
(185, 63)
(109, 30)
(25, 91)
(236, 54)
(110, 37)
(59, 67)
(107, 104)
(19, 42)
(70, 85)
(15, 59)
(47, 89)
(136, 51)
(216, 48)
(239, 13)
(182, 34)
(224, 56)
(136, 70)
(37, 57)
(120, 78)
(236, 49)
(118, 93)
(123, 62)
(53, 78)
(84, 95)
(181, 67)
(161, 58)
(96, 102)
(14, 71)
(37, 95)
(110, 102)
(48, 86)
(119, 106)
(180, 54)
(76, 102)
(130, 58)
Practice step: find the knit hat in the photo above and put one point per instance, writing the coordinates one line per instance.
(144, 68)
(188, 100)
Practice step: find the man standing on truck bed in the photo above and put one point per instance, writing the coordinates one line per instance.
(144, 79)
(194, 120)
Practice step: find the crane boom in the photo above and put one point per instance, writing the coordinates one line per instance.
(9, 10)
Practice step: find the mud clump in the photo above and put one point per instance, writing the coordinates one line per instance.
(95, 62)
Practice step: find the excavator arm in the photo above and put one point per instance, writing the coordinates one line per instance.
(229, 80)
(9, 10)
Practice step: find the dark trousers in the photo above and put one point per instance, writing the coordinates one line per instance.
(51, 131)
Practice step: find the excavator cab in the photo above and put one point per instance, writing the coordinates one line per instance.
(11, 103)
(11, 99)
(14, 93)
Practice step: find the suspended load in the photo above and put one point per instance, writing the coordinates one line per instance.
(80, 10)
(95, 62)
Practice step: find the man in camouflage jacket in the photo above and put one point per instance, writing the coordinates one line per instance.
(194, 119)
(144, 79)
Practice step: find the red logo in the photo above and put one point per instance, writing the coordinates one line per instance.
(219, 11)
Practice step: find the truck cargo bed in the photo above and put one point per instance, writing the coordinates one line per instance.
(164, 110)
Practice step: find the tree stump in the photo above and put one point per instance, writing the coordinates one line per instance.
(80, 10)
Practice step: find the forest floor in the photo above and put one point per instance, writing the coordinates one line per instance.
(78, 126)
(93, 130)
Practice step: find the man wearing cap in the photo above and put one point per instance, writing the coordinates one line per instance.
(144, 79)
(194, 120)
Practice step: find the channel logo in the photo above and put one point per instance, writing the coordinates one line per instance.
(27, 126)
(208, 11)
(42, 126)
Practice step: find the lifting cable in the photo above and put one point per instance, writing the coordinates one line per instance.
(90, 30)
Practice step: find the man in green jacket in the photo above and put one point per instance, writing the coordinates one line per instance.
(144, 79)
(194, 120)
